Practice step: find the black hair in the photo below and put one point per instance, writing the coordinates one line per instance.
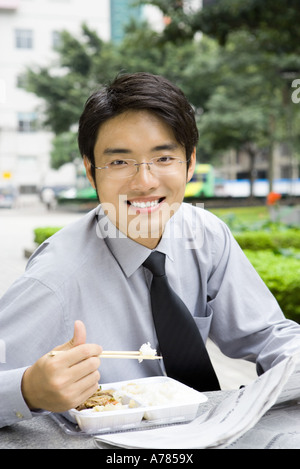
(138, 91)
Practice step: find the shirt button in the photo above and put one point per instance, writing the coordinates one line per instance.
(19, 415)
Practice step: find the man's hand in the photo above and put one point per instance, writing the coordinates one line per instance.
(58, 383)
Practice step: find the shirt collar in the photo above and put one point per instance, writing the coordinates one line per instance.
(129, 254)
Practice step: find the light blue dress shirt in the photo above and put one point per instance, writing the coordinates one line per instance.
(91, 271)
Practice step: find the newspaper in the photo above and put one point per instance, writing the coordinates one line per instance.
(227, 424)
(279, 428)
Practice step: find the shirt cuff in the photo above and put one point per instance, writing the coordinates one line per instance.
(13, 407)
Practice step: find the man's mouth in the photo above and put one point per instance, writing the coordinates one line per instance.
(146, 203)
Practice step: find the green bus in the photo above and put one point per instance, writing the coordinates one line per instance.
(202, 183)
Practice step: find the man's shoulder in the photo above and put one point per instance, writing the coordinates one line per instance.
(62, 255)
(200, 227)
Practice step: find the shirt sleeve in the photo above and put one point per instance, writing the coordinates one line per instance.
(13, 408)
(247, 320)
(28, 311)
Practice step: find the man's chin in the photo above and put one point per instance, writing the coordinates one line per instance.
(145, 225)
(141, 224)
(151, 224)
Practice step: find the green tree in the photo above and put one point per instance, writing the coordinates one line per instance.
(64, 149)
(83, 63)
(65, 84)
(249, 106)
(246, 111)
(274, 24)
(86, 62)
(238, 89)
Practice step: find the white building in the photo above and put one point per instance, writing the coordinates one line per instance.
(28, 30)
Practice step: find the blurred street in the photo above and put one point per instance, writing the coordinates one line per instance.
(16, 235)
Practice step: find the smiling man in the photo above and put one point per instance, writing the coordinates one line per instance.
(141, 173)
(118, 277)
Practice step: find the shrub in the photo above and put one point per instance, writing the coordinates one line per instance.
(41, 234)
(282, 276)
(274, 240)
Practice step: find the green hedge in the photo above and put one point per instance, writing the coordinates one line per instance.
(282, 276)
(41, 234)
(274, 240)
(276, 257)
(252, 240)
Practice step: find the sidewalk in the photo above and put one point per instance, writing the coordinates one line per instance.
(16, 234)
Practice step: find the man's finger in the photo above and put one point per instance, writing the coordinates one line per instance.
(79, 354)
(79, 336)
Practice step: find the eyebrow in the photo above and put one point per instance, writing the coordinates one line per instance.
(118, 151)
(113, 151)
(166, 146)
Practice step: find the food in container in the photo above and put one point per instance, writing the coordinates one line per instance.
(137, 404)
(105, 411)
(104, 400)
(165, 398)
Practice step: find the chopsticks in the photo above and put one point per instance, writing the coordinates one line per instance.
(116, 354)
(128, 354)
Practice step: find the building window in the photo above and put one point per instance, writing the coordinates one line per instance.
(27, 162)
(26, 121)
(20, 81)
(24, 38)
(286, 172)
(56, 39)
(261, 174)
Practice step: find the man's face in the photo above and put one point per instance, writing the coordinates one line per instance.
(139, 205)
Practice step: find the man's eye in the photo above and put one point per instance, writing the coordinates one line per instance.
(165, 159)
(118, 163)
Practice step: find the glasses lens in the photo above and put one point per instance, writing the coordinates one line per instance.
(128, 168)
(166, 164)
(120, 168)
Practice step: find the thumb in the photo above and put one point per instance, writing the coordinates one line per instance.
(79, 337)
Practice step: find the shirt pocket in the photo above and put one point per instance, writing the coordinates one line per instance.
(203, 323)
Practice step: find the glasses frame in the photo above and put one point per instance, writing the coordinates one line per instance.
(137, 165)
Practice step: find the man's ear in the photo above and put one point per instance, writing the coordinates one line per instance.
(87, 165)
(192, 165)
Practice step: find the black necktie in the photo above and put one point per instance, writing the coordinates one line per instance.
(181, 345)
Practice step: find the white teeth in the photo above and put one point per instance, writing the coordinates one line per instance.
(145, 204)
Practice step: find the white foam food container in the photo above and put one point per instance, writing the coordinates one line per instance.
(177, 402)
(90, 421)
(152, 407)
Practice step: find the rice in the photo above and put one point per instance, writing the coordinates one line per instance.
(159, 393)
(146, 349)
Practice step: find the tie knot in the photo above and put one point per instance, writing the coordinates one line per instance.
(156, 263)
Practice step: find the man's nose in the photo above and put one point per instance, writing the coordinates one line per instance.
(144, 177)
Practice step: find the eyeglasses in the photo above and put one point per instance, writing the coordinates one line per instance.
(160, 165)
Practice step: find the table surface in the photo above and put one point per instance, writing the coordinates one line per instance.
(43, 432)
